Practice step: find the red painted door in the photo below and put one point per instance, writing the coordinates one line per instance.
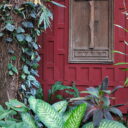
(54, 53)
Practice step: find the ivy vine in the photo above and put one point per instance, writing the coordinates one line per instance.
(22, 24)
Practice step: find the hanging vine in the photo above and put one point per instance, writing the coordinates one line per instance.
(20, 26)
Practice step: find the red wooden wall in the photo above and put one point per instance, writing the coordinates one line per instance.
(54, 53)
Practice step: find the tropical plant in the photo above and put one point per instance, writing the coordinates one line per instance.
(99, 103)
(105, 124)
(17, 115)
(58, 91)
(52, 116)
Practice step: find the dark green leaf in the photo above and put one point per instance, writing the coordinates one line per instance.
(104, 84)
(116, 111)
(13, 58)
(10, 66)
(97, 117)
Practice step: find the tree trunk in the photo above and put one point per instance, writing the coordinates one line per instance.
(8, 84)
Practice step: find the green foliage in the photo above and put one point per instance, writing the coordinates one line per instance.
(99, 103)
(27, 118)
(76, 116)
(33, 19)
(58, 86)
(106, 124)
(60, 106)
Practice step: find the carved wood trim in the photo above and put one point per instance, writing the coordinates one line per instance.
(92, 54)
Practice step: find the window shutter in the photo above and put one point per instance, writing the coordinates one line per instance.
(91, 31)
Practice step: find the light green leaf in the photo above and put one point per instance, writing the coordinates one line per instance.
(48, 115)
(119, 52)
(75, 118)
(60, 106)
(27, 118)
(10, 27)
(121, 63)
(58, 4)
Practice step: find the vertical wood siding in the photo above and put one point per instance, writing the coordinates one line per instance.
(54, 54)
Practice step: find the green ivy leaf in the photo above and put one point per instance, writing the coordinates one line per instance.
(30, 77)
(23, 87)
(28, 38)
(25, 69)
(10, 66)
(23, 76)
(1, 34)
(13, 58)
(10, 27)
(27, 24)
(10, 73)
(20, 37)
(14, 69)
(20, 30)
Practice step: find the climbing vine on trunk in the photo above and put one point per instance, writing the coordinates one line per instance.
(20, 26)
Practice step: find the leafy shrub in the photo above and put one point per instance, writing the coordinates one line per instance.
(99, 103)
(105, 124)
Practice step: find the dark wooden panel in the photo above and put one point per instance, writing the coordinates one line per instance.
(91, 31)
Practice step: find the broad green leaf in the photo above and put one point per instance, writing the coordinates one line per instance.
(32, 102)
(75, 118)
(27, 118)
(48, 115)
(5, 114)
(16, 105)
(105, 124)
(60, 106)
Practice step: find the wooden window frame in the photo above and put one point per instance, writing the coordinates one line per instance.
(73, 59)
